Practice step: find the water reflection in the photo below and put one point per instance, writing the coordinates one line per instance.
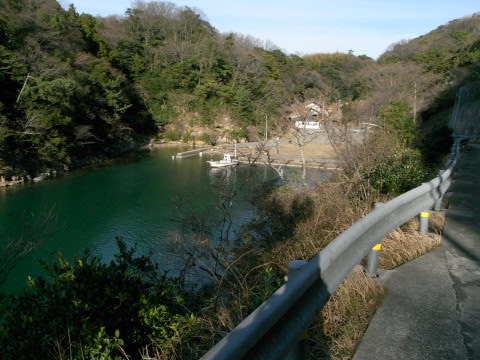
(133, 199)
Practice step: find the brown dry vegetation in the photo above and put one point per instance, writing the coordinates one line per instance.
(333, 212)
(345, 317)
(256, 269)
(311, 150)
(406, 243)
(244, 279)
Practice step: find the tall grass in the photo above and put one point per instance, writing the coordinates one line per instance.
(406, 243)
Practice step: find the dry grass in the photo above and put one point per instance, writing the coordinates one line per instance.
(333, 212)
(311, 150)
(406, 243)
(345, 317)
(336, 205)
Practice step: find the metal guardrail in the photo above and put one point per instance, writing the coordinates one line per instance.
(273, 328)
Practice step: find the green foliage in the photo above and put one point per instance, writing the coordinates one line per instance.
(65, 102)
(398, 117)
(188, 137)
(103, 347)
(242, 106)
(96, 45)
(92, 85)
(460, 36)
(238, 135)
(399, 172)
(94, 308)
(172, 135)
(442, 51)
(208, 139)
(342, 73)
(434, 59)
(268, 282)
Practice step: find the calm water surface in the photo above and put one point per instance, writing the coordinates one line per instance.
(134, 198)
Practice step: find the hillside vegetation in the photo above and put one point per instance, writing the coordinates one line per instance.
(75, 86)
(449, 54)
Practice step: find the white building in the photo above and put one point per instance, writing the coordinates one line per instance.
(307, 124)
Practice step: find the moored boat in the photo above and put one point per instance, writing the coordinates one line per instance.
(225, 162)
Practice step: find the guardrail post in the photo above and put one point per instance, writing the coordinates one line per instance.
(374, 254)
(424, 215)
(438, 203)
(372, 260)
(298, 347)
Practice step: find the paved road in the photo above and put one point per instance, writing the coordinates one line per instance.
(432, 308)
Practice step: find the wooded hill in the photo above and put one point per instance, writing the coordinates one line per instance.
(449, 55)
(76, 87)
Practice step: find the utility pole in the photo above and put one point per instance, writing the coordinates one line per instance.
(266, 128)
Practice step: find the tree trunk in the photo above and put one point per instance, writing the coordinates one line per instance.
(304, 167)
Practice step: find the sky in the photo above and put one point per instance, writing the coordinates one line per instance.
(308, 26)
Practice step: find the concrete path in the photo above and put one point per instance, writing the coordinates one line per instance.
(432, 308)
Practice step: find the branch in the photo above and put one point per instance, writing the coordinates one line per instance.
(23, 87)
(23, 242)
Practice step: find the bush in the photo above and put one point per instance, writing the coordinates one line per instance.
(172, 135)
(188, 137)
(209, 139)
(237, 135)
(88, 307)
(398, 118)
(398, 172)
(278, 215)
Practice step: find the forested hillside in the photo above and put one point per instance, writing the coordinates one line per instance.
(449, 54)
(75, 86)
(59, 101)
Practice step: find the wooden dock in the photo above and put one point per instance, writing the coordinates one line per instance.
(194, 152)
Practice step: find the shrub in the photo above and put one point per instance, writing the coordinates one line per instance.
(398, 118)
(237, 135)
(172, 135)
(188, 137)
(278, 214)
(398, 172)
(89, 307)
(209, 139)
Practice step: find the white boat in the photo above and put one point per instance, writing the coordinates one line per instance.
(225, 162)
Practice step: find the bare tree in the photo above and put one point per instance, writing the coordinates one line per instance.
(32, 123)
(275, 162)
(301, 136)
(19, 243)
(394, 82)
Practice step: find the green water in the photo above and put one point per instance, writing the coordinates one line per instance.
(133, 198)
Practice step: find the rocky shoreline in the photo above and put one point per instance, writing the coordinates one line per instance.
(10, 177)
(16, 177)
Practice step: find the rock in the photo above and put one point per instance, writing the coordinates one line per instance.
(39, 178)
